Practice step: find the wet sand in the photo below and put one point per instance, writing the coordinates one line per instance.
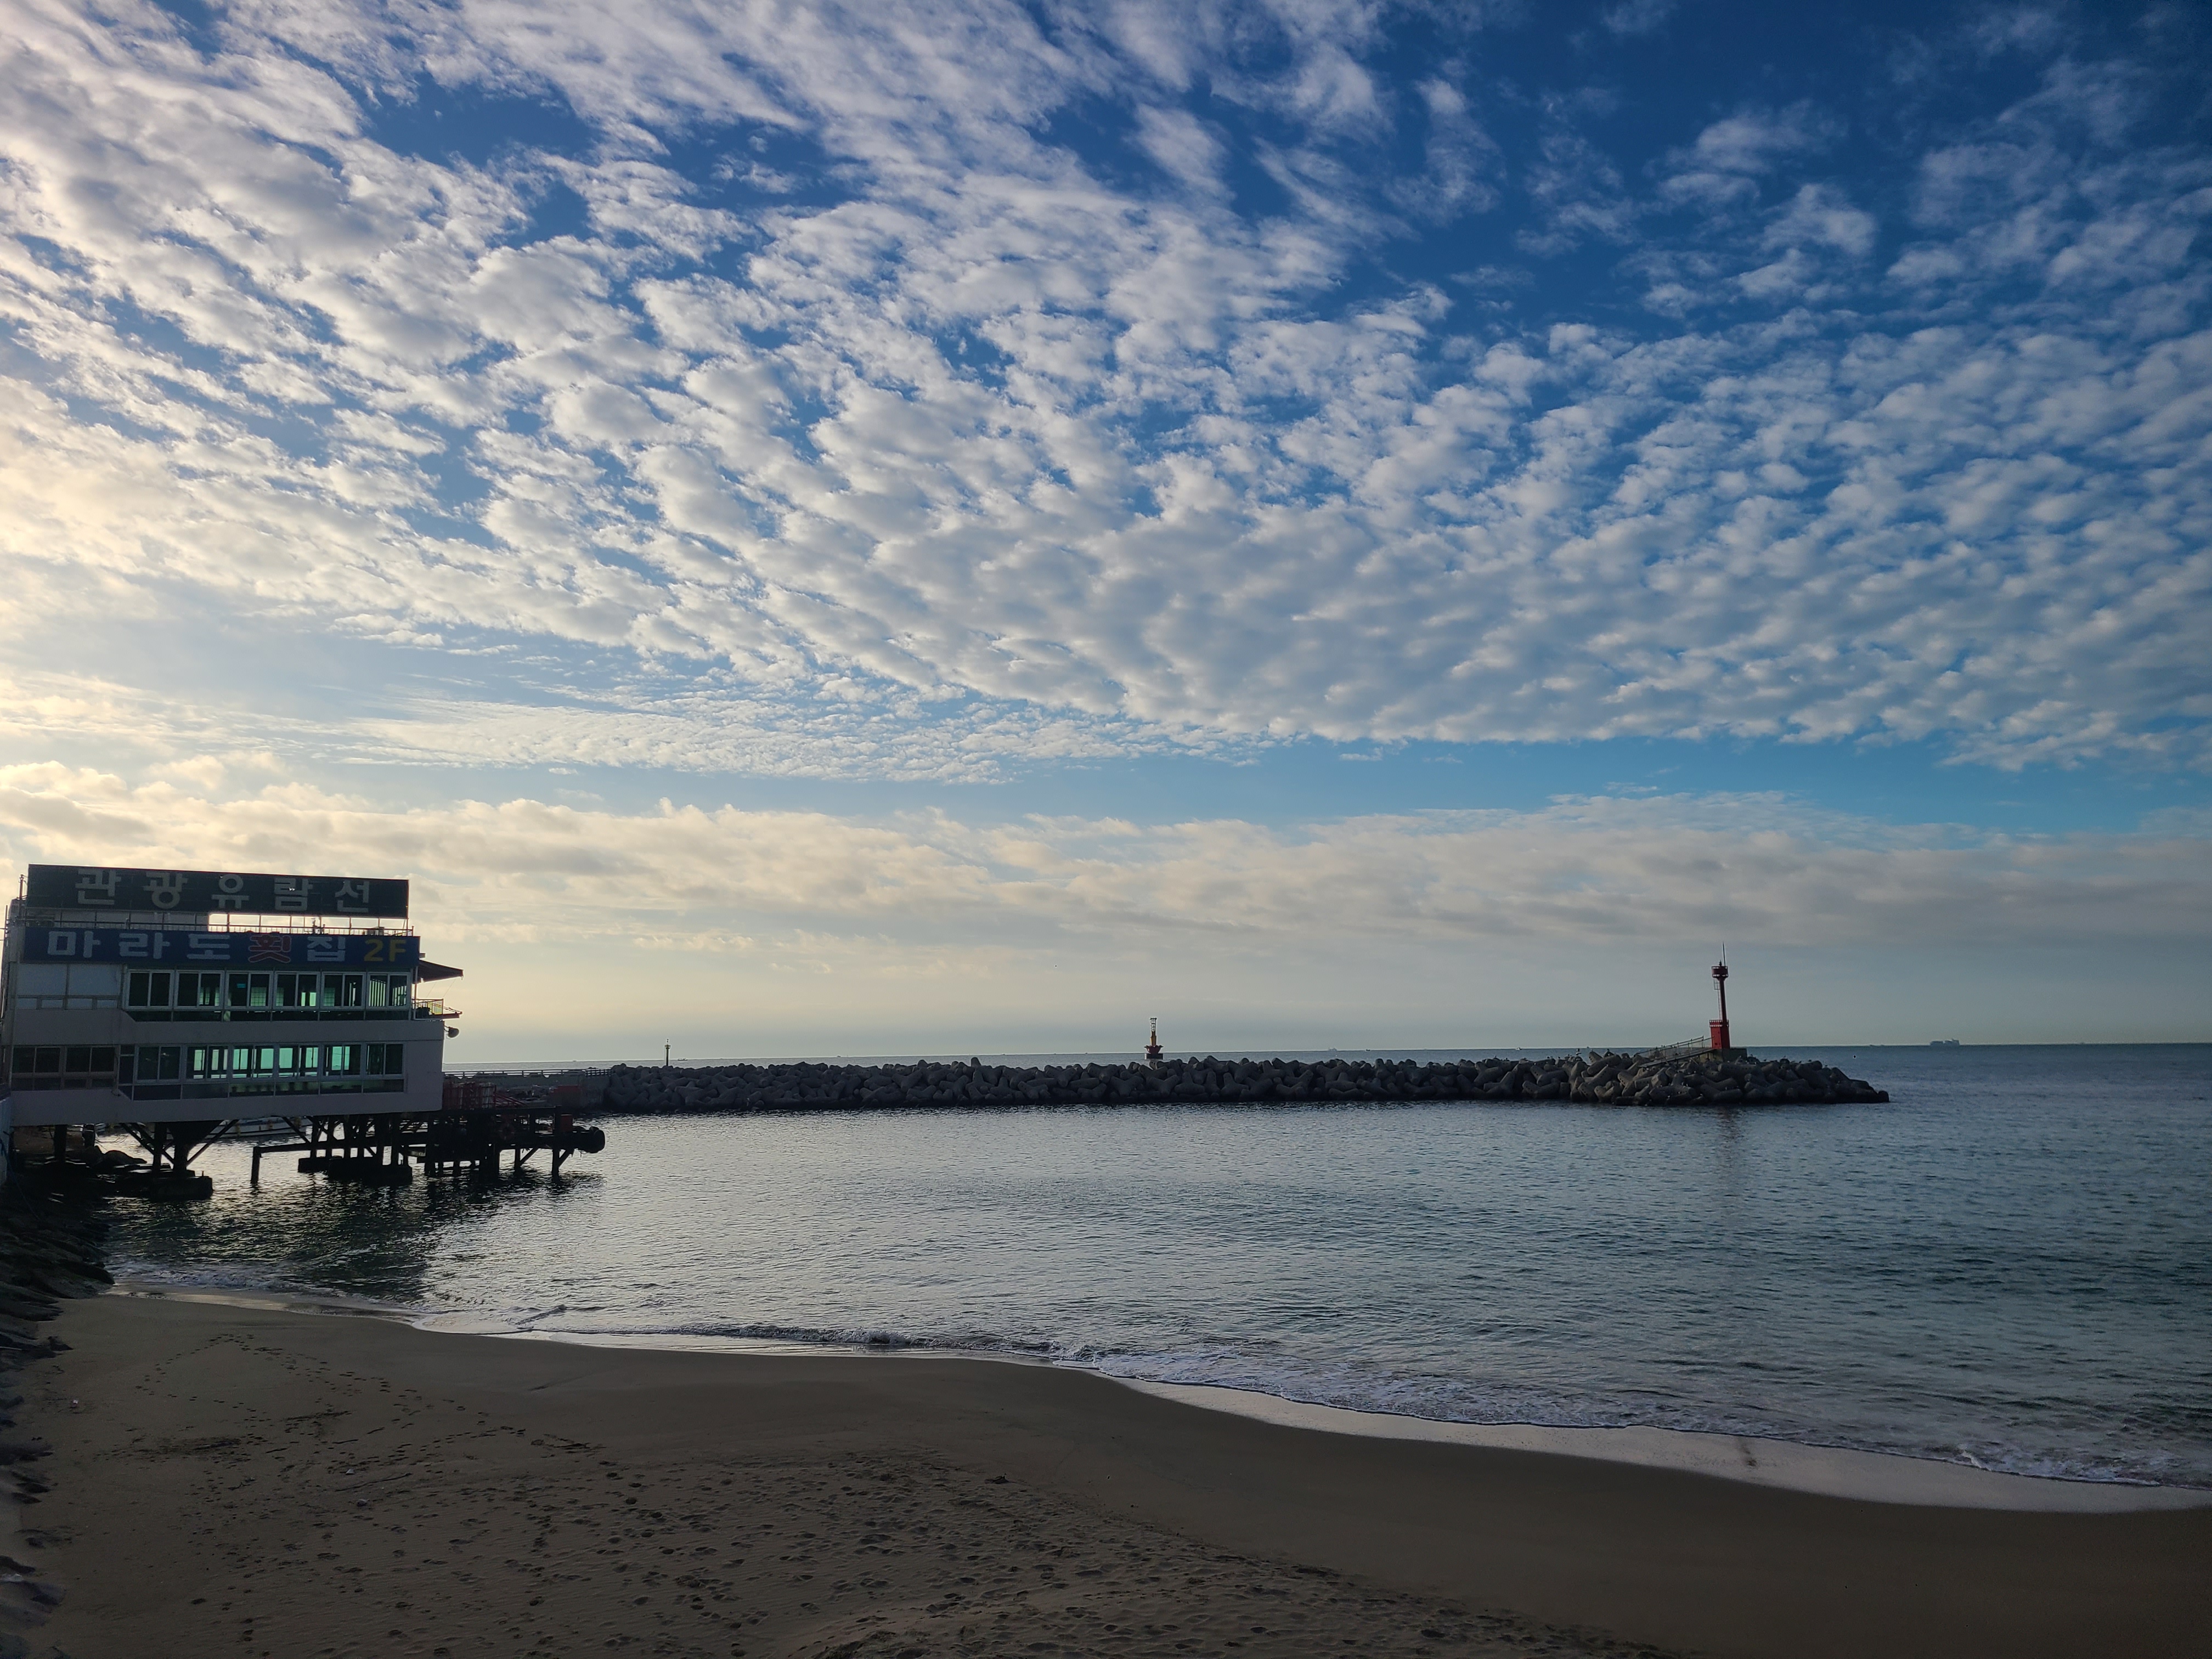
(255, 1482)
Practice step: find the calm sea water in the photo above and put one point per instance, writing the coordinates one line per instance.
(2011, 1263)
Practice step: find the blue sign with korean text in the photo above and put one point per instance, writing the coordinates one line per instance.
(174, 948)
(210, 892)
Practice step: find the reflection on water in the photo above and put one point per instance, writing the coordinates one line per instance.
(389, 1245)
(2012, 1261)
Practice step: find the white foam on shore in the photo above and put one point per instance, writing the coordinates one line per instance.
(1824, 1471)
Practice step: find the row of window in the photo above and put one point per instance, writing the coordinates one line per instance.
(153, 1063)
(190, 989)
(102, 985)
(99, 984)
(71, 1066)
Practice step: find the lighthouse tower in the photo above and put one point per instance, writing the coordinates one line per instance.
(1152, 1048)
(1721, 1043)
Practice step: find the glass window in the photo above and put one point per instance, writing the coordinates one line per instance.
(103, 1060)
(249, 990)
(49, 1059)
(379, 991)
(345, 1059)
(78, 1060)
(95, 979)
(311, 1060)
(296, 990)
(41, 979)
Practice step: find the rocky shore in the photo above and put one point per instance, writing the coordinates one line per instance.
(1603, 1079)
(50, 1249)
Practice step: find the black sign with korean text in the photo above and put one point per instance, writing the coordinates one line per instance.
(210, 892)
(176, 948)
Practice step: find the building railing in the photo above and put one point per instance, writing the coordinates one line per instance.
(431, 1008)
(197, 922)
(219, 1088)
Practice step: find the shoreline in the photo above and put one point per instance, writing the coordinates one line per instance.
(284, 1483)
(1788, 1465)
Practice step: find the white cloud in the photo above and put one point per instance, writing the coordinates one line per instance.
(1756, 870)
(1094, 468)
(1631, 19)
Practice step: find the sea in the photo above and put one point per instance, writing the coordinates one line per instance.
(2009, 1265)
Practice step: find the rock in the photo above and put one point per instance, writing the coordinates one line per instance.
(1616, 1079)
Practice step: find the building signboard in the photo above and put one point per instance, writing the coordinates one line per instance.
(177, 948)
(210, 892)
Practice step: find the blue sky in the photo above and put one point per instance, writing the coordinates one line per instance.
(846, 527)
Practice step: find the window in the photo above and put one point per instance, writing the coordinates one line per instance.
(95, 985)
(71, 1067)
(386, 1059)
(345, 1059)
(57, 985)
(148, 1063)
(341, 990)
(249, 990)
(38, 984)
(147, 990)
(35, 1068)
(297, 990)
(199, 990)
(75, 1066)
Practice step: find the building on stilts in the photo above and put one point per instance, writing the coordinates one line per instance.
(174, 1005)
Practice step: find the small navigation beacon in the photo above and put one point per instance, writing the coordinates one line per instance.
(1152, 1048)
(1721, 1043)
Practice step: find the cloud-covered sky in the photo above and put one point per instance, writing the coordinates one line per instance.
(963, 495)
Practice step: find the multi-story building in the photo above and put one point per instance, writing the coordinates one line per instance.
(192, 998)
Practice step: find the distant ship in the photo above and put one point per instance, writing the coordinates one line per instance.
(1944, 1043)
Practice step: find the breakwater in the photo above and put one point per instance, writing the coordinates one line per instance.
(1599, 1079)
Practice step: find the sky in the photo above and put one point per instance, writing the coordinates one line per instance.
(943, 528)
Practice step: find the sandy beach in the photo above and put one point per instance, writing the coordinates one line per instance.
(260, 1482)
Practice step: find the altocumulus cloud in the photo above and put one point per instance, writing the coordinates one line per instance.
(1064, 380)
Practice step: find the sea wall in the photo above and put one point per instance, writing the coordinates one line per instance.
(1623, 1079)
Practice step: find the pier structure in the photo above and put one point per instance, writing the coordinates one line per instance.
(175, 1005)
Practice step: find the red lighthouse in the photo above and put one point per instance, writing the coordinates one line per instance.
(1721, 1043)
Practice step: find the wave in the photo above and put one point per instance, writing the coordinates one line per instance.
(1368, 1390)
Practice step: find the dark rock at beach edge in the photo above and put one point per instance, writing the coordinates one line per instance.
(51, 1238)
(1601, 1079)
